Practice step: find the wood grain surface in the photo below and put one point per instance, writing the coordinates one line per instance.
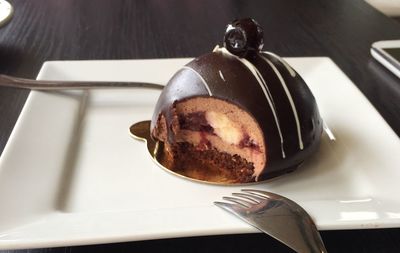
(44, 30)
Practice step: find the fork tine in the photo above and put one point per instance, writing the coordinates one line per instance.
(239, 201)
(254, 199)
(234, 209)
(224, 205)
(259, 193)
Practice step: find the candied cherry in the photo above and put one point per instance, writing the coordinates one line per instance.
(244, 37)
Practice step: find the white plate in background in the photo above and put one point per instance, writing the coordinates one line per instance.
(6, 12)
(70, 174)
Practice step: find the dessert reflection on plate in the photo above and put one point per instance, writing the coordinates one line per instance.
(235, 115)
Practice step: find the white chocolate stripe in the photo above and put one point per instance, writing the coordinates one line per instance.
(265, 89)
(289, 96)
(201, 78)
(287, 66)
(221, 75)
(216, 48)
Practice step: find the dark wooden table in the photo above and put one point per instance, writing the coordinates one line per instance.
(43, 30)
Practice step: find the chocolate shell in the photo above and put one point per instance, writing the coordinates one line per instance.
(260, 83)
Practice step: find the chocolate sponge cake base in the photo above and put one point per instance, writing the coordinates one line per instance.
(207, 165)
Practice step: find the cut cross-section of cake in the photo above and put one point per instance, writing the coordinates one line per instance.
(237, 114)
(213, 139)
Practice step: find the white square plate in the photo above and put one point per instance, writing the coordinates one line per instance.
(70, 174)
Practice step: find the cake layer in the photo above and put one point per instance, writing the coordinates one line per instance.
(208, 165)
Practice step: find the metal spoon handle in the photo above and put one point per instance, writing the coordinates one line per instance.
(16, 82)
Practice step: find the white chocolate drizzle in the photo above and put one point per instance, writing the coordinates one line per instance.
(287, 66)
(216, 48)
(263, 86)
(328, 131)
(221, 75)
(289, 96)
(201, 78)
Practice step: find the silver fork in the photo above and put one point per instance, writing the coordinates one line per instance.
(16, 82)
(276, 216)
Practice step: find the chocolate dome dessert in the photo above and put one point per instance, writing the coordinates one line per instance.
(238, 114)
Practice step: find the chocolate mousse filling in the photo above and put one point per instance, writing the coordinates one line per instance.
(195, 121)
(247, 142)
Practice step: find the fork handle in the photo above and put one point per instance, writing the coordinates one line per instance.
(16, 82)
